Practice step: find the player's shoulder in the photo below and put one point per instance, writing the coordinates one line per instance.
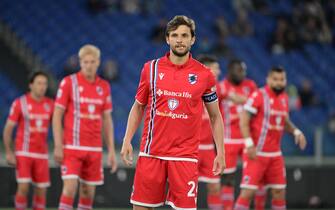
(258, 92)
(49, 100)
(249, 82)
(198, 66)
(103, 82)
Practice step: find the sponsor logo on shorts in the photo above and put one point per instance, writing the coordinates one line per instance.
(64, 169)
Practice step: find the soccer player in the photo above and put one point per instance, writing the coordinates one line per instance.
(173, 88)
(31, 113)
(263, 121)
(207, 148)
(84, 101)
(235, 89)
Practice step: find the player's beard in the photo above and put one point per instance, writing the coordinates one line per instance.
(236, 80)
(278, 90)
(180, 54)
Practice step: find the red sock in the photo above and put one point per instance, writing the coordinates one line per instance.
(20, 202)
(38, 202)
(85, 204)
(227, 197)
(214, 202)
(278, 204)
(65, 203)
(260, 198)
(242, 204)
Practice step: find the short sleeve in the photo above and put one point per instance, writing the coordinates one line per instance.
(210, 95)
(142, 93)
(254, 102)
(108, 105)
(222, 91)
(15, 111)
(253, 87)
(63, 93)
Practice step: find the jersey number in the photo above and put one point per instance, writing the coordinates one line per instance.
(191, 192)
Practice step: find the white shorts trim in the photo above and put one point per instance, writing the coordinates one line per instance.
(178, 208)
(84, 148)
(70, 176)
(41, 184)
(249, 186)
(229, 170)
(206, 146)
(31, 154)
(23, 180)
(146, 204)
(92, 183)
(276, 186)
(209, 180)
(233, 141)
(269, 154)
(168, 158)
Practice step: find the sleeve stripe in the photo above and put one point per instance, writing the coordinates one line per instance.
(250, 109)
(140, 102)
(59, 105)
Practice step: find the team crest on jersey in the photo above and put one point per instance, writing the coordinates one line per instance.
(173, 104)
(91, 108)
(46, 107)
(278, 120)
(99, 90)
(192, 78)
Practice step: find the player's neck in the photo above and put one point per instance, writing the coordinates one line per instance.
(177, 59)
(35, 97)
(90, 78)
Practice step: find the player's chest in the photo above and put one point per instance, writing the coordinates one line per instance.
(276, 110)
(87, 95)
(37, 113)
(181, 84)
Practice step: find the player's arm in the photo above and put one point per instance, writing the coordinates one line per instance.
(57, 129)
(217, 127)
(245, 118)
(237, 98)
(134, 120)
(299, 137)
(7, 139)
(108, 130)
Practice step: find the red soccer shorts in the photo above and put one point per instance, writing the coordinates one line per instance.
(205, 166)
(85, 165)
(232, 153)
(269, 171)
(35, 170)
(153, 175)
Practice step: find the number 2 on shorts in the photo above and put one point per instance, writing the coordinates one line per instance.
(191, 192)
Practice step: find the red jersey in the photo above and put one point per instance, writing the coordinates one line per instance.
(206, 135)
(32, 118)
(267, 124)
(231, 111)
(84, 103)
(174, 95)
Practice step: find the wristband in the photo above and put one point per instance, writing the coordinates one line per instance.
(296, 132)
(248, 142)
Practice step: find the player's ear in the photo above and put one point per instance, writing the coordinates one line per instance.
(167, 40)
(192, 40)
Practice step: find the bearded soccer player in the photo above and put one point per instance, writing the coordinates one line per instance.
(207, 147)
(84, 101)
(31, 113)
(263, 121)
(173, 89)
(235, 89)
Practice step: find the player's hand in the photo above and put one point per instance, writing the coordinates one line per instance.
(251, 152)
(111, 161)
(219, 165)
(300, 140)
(127, 153)
(10, 158)
(58, 154)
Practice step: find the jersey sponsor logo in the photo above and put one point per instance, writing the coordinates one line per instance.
(46, 107)
(172, 115)
(173, 104)
(161, 76)
(99, 90)
(91, 108)
(38, 123)
(192, 78)
(278, 120)
(184, 94)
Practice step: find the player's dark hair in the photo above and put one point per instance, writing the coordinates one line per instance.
(234, 62)
(35, 74)
(207, 59)
(277, 69)
(179, 20)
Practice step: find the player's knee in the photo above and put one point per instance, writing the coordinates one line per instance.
(69, 188)
(87, 191)
(23, 189)
(247, 193)
(278, 193)
(213, 188)
(40, 191)
(228, 180)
